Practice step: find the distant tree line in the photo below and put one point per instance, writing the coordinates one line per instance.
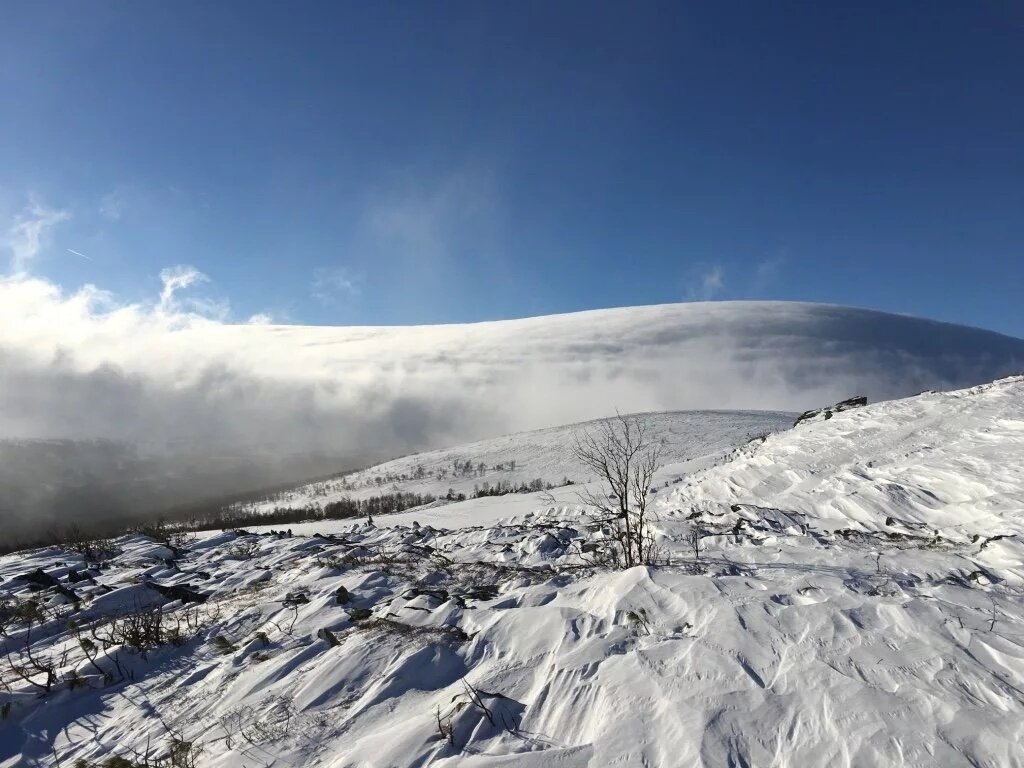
(242, 514)
(503, 487)
(376, 505)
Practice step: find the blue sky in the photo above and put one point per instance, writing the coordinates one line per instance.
(353, 163)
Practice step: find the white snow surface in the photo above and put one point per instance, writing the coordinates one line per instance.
(858, 601)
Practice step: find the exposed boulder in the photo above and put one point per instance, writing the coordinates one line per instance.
(76, 577)
(328, 637)
(826, 413)
(182, 592)
(38, 577)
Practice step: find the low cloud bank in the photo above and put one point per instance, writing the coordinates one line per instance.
(170, 380)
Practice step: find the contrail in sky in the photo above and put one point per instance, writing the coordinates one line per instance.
(87, 258)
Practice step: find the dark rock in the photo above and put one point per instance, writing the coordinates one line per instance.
(328, 637)
(182, 592)
(826, 413)
(38, 577)
(437, 593)
(77, 577)
(482, 592)
(60, 589)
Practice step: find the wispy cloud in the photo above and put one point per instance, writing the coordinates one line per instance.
(435, 217)
(175, 279)
(111, 206)
(707, 283)
(428, 235)
(331, 285)
(79, 253)
(30, 232)
(185, 309)
(766, 272)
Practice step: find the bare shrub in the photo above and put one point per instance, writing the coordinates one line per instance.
(443, 633)
(178, 752)
(40, 669)
(244, 547)
(91, 548)
(638, 619)
(143, 629)
(624, 458)
(444, 727)
(694, 538)
(223, 646)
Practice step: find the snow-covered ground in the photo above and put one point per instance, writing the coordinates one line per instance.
(858, 601)
(687, 440)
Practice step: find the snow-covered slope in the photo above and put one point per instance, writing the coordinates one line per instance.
(948, 462)
(858, 600)
(686, 439)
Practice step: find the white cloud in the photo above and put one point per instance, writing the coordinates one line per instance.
(175, 279)
(708, 284)
(81, 364)
(334, 284)
(29, 233)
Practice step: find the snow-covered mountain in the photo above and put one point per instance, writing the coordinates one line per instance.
(858, 600)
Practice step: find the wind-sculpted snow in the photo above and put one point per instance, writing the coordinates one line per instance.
(857, 601)
(949, 462)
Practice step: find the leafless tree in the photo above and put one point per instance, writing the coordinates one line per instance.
(693, 538)
(624, 458)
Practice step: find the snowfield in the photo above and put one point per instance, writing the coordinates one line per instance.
(858, 600)
(688, 440)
